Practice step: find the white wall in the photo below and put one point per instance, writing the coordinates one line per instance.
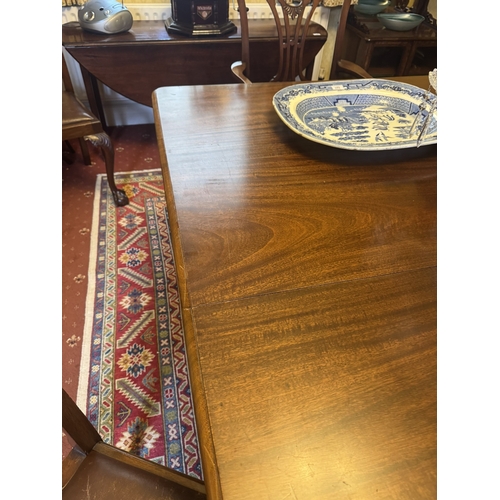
(432, 8)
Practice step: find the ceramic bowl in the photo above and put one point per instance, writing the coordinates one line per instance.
(371, 7)
(400, 22)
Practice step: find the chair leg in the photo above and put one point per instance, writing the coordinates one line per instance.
(67, 153)
(85, 151)
(103, 141)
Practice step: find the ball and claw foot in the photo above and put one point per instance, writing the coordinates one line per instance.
(120, 198)
(103, 141)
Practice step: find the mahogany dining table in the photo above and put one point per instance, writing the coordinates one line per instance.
(307, 279)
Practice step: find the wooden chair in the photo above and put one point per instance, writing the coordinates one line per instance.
(80, 123)
(292, 30)
(339, 65)
(94, 469)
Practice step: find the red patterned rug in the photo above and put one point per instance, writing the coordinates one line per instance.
(134, 379)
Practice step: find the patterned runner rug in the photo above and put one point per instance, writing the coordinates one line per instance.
(134, 379)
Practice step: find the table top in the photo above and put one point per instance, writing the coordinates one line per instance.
(154, 32)
(307, 277)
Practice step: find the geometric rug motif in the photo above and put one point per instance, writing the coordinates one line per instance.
(134, 382)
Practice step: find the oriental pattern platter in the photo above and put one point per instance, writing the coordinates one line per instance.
(364, 115)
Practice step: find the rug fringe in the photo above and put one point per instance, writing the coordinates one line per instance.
(83, 379)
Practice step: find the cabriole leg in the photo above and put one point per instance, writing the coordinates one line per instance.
(103, 141)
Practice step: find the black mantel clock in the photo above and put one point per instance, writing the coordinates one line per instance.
(200, 17)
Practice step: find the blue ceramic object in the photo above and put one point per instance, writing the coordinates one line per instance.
(404, 21)
(371, 7)
(365, 115)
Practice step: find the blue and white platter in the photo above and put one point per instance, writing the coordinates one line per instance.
(365, 115)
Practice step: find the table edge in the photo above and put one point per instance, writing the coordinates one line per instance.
(203, 425)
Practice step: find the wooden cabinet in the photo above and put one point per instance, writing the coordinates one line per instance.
(385, 53)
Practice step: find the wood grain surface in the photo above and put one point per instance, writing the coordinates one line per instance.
(324, 392)
(308, 285)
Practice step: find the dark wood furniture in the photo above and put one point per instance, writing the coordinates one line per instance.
(307, 277)
(80, 123)
(340, 65)
(139, 61)
(94, 469)
(385, 53)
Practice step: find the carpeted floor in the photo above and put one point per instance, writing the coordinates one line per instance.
(135, 149)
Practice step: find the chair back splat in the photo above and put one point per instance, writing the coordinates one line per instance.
(293, 19)
(292, 36)
(292, 27)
